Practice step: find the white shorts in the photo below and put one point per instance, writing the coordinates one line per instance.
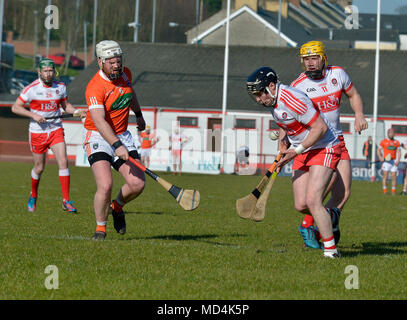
(145, 152)
(389, 166)
(94, 142)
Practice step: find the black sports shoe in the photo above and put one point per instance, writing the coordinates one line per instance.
(99, 235)
(119, 221)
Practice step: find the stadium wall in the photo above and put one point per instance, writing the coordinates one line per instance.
(202, 153)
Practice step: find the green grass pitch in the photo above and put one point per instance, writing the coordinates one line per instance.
(209, 253)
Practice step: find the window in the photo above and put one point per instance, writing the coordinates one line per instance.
(245, 124)
(188, 121)
(345, 127)
(399, 129)
(273, 125)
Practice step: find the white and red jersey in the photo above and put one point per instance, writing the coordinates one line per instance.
(295, 113)
(45, 101)
(326, 93)
(176, 141)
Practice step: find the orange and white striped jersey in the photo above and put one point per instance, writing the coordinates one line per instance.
(45, 101)
(295, 113)
(115, 97)
(326, 93)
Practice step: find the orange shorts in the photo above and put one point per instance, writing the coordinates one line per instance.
(345, 154)
(327, 157)
(41, 142)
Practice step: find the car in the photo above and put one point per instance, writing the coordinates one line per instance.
(74, 61)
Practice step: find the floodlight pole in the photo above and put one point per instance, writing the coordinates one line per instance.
(153, 27)
(1, 26)
(95, 11)
(136, 21)
(279, 23)
(376, 92)
(85, 43)
(225, 87)
(48, 35)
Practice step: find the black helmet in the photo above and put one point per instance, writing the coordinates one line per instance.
(260, 79)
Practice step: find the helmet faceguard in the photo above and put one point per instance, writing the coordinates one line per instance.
(259, 81)
(314, 48)
(107, 49)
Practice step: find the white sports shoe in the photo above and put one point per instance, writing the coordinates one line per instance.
(332, 254)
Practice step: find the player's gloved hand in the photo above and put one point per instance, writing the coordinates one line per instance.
(141, 124)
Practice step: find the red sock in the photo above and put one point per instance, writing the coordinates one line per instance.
(329, 243)
(35, 181)
(64, 178)
(308, 221)
(34, 187)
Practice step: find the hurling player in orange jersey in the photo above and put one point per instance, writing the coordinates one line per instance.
(110, 96)
(389, 154)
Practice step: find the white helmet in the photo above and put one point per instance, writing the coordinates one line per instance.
(108, 49)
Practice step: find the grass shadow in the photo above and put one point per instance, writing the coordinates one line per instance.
(376, 248)
(144, 212)
(188, 237)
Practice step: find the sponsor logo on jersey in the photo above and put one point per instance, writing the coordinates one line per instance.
(311, 89)
(51, 106)
(122, 102)
(331, 103)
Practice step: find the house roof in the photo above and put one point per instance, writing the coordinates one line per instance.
(191, 76)
(242, 10)
(289, 27)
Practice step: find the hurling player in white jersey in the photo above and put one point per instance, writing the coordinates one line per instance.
(315, 147)
(46, 97)
(324, 85)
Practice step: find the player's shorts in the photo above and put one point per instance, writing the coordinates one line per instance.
(345, 154)
(41, 142)
(389, 166)
(326, 157)
(176, 152)
(97, 148)
(145, 152)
